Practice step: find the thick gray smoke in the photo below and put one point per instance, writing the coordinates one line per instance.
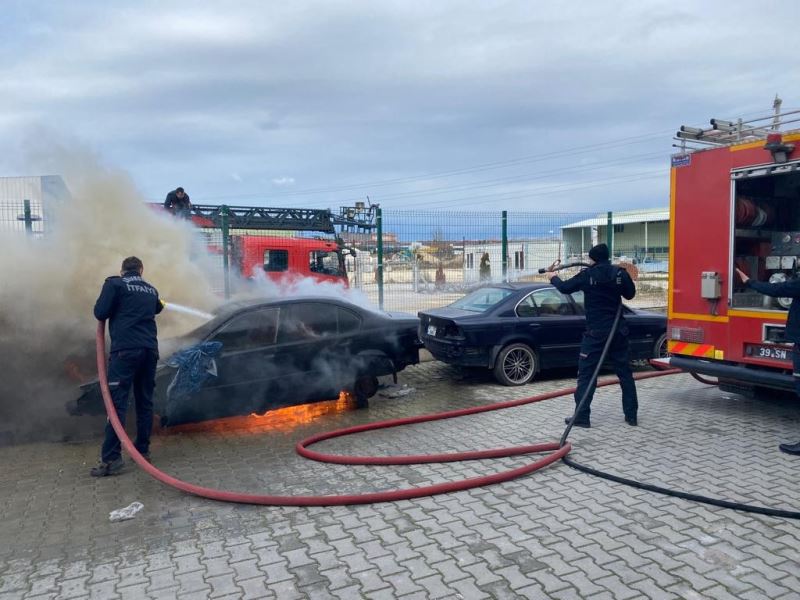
(50, 286)
(51, 283)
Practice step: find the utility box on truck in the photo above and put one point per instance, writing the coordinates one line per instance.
(734, 203)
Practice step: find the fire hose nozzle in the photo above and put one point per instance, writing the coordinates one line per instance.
(557, 266)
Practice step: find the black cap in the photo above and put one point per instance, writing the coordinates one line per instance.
(179, 189)
(599, 253)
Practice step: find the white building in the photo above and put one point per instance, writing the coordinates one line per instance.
(525, 257)
(636, 234)
(42, 192)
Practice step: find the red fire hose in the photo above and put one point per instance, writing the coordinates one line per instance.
(556, 452)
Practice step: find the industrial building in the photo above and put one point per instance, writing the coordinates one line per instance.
(640, 235)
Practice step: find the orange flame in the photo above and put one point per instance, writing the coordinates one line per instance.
(280, 419)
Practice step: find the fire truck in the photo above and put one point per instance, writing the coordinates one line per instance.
(275, 241)
(734, 203)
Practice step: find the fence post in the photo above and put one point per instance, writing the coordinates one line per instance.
(464, 261)
(379, 221)
(505, 245)
(415, 272)
(226, 250)
(610, 235)
(28, 217)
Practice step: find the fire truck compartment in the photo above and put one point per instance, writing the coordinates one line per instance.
(766, 230)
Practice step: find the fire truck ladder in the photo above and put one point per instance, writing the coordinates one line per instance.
(724, 133)
(285, 219)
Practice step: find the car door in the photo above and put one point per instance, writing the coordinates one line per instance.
(550, 317)
(245, 369)
(311, 350)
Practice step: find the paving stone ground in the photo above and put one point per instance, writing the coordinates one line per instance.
(557, 533)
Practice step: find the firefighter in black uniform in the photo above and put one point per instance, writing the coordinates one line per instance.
(604, 285)
(786, 289)
(130, 304)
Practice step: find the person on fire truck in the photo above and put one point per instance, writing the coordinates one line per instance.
(178, 203)
(604, 285)
(786, 289)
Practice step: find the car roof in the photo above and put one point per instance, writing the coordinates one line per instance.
(237, 305)
(517, 285)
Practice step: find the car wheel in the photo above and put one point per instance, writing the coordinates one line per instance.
(515, 365)
(364, 388)
(660, 347)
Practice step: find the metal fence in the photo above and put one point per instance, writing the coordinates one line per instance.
(432, 258)
(405, 260)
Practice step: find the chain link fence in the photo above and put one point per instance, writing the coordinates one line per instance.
(402, 260)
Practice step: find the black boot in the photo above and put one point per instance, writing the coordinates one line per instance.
(584, 424)
(790, 448)
(631, 421)
(105, 469)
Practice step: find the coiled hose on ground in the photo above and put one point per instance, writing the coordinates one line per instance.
(557, 450)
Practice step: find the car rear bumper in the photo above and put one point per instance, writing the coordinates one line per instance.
(457, 354)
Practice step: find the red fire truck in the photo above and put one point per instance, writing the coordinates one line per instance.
(285, 258)
(734, 202)
(257, 244)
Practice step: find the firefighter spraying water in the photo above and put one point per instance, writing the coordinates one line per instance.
(604, 286)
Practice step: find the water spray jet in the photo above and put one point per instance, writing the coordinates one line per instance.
(187, 310)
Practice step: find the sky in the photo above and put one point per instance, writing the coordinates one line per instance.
(418, 106)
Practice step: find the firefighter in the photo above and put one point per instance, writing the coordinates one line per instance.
(130, 304)
(786, 289)
(604, 285)
(177, 202)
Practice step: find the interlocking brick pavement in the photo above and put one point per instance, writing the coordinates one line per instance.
(557, 533)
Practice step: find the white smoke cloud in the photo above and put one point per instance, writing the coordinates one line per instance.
(51, 284)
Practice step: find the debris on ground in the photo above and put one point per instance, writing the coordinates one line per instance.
(397, 391)
(123, 514)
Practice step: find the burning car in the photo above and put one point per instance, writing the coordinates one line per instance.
(518, 329)
(254, 356)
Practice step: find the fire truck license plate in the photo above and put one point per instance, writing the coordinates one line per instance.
(432, 330)
(759, 351)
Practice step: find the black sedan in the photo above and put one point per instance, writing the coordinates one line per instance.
(255, 356)
(519, 329)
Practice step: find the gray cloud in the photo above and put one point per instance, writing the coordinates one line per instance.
(342, 93)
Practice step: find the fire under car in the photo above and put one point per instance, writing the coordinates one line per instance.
(254, 356)
(520, 329)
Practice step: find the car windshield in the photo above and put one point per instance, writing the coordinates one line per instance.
(482, 300)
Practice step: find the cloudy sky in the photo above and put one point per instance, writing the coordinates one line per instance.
(417, 105)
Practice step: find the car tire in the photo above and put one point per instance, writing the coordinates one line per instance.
(660, 347)
(516, 365)
(365, 388)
